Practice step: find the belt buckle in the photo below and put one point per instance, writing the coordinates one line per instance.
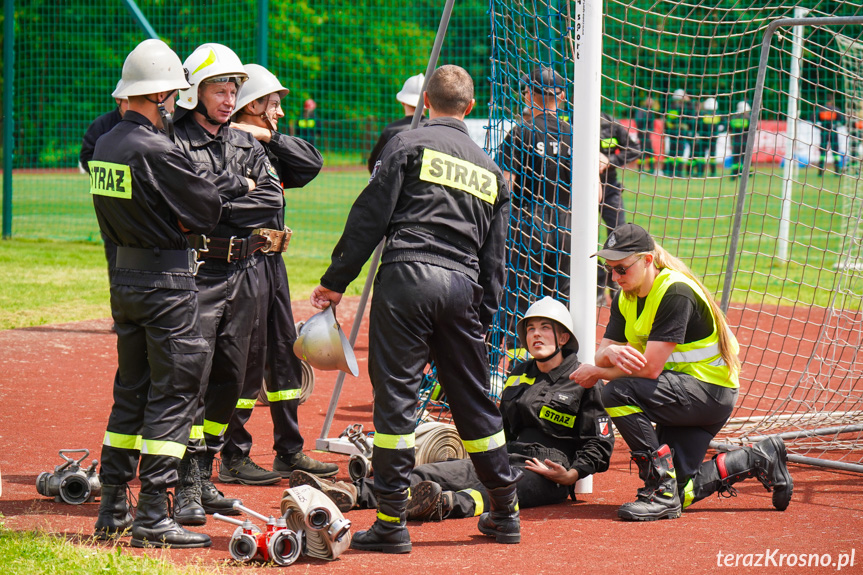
(205, 241)
(198, 263)
(231, 247)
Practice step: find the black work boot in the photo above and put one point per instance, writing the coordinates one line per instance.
(114, 517)
(153, 527)
(213, 500)
(658, 499)
(284, 465)
(187, 494)
(766, 460)
(502, 521)
(389, 532)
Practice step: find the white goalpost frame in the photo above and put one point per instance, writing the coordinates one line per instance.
(586, 99)
(793, 112)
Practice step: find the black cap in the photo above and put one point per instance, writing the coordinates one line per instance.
(544, 79)
(625, 240)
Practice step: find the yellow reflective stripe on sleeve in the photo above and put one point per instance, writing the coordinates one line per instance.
(485, 443)
(564, 419)
(395, 441)
(245, 403)
(388, 518)
(197, 432)
(478, 506)
(440, 168)
(623, 410)
(166, 448)
(283, 395)
(112, 180)
(519, 379)
(122, 441)
(214, 428)
(606, 143)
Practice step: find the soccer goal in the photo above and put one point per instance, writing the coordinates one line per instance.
(750, 135)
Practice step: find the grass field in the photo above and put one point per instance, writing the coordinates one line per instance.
(64, 279)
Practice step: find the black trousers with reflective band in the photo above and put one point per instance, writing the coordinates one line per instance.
(423, 312)
(688, 414)
(228, 296)
(272, 353)
(161, 356)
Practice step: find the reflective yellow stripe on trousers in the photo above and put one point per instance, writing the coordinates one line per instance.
(283, 395)
(122, 441)
(485, 443)
(165, 448)
(385, 441)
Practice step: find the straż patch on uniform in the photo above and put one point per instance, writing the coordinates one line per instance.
(375, 170)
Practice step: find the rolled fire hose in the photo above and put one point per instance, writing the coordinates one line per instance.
(304, 508)
(437, 441)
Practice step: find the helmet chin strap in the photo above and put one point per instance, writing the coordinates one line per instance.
(167, 118)
(557, 349)
(201, 109)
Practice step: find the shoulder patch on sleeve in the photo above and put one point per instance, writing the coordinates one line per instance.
(375, 170)
(603, 426)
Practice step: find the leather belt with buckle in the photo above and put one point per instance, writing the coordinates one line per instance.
(277, 240)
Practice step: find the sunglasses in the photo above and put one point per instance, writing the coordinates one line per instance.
(620, 270)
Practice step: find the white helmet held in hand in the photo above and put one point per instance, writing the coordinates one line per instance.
(323, 344)
(209, 63)
(150, 68)
(548, 308)
(261, 83)
(411, 91)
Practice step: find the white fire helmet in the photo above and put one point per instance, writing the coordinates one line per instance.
(210, 62)
(678, 94)
(323, 344)
(743, 107)
(261, 83)
(709, 105)
(150, 68)
(411, 91)
(548, 308)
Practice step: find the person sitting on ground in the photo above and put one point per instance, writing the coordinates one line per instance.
(557, 432)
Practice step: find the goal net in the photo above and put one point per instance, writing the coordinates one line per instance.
(758, 193)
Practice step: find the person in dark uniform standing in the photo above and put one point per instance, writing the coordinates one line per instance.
(227, 283)
(442, 205)
(828, 118)
(259, 105)
(669, 358)
(536, 159)
(100, 126)
(679, 130)
(645, 120)
(708, 126)
(738, 131)
(147, 194)
(620, 148)
(555, 430)
(409, 98)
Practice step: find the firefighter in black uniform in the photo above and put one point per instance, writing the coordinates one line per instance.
(442, 205)
(536, 160)
(738, 131)
(102, 125)
(555, 429)
(828, 118)
(669, 358)
(297, 163)
(645, 120)
(146, 194)
(409, 98)
(708, 126)
(621, 148)
(227, 283)
(679, 129)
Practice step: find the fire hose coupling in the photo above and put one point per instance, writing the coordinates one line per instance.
(274, 543)
(360, 464)
(69, 483)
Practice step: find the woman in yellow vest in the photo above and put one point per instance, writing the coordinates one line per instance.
(668, 358)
